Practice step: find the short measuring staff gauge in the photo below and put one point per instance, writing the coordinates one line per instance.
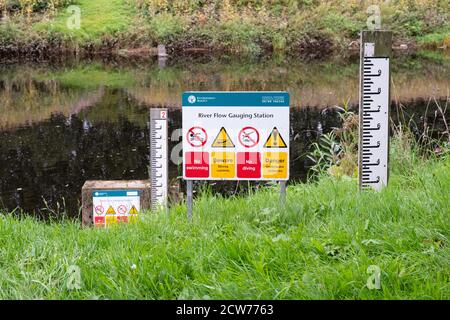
(158, 157)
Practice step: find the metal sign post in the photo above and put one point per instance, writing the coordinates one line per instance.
(158, 158)
(283, 192)
(189, 198)
(374, 109)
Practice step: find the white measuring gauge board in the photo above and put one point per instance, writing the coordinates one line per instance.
(375, 123)
(158, 158)
(114, 206)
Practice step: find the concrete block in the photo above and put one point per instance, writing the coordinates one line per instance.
(98, 185)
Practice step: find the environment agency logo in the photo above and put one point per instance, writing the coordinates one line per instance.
(192, 99)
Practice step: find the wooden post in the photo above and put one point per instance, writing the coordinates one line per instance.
(374, 105)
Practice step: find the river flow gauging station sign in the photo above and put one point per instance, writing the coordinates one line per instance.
(236, 135)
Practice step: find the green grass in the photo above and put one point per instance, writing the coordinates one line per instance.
(98, 18)
(319, 246)
(246, 28)
(436, 39)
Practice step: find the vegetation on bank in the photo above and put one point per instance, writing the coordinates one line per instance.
(249, 27)
(329, 242)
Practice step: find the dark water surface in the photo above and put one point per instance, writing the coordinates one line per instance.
(61, 125)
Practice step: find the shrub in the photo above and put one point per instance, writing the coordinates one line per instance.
(32, 5)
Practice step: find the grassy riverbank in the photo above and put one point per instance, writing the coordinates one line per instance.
(320, 246)
(253, 27)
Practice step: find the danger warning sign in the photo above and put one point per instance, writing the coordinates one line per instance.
(223, 140)
(250, 131)
(275, 140)
(121, 206)
(110, 210)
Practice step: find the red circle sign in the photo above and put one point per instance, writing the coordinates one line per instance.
(122, 209)
(249, 137)
(99, 210)
(197, 137)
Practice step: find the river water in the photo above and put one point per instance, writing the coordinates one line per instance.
(64, 123)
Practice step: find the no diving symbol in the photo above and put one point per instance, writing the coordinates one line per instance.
(99, 210)
(197, 136)
(122, 209)
(249, 137)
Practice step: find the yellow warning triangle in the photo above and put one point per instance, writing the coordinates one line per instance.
(133, 210)
(223, 140)
(110, 210)
(275, 140)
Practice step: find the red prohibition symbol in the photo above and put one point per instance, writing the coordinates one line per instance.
(122, 209)
(99, 210)
(249, 137)
(197, 137)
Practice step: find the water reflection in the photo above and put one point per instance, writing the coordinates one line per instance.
(60, 127)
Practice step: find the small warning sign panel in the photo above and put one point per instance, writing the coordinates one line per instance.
(223, 140)
(275, 140)
(117, 203)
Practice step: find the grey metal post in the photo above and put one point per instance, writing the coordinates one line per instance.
(283, 192)
(189, 198)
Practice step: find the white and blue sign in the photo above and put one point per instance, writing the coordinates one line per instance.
(113, 206)
(236, 135)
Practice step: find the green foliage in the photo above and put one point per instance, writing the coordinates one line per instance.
(320, 245)
(336, 152)
(324, 154)
(9, 32)
(33, 5)
(245, 27)
(165, 26)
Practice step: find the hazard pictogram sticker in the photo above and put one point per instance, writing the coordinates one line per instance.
(99, 210)
(249, 137)
(223, 140)
(122, 209)
(110, 210)
(275, 140)
(197, 136)
(133, 210)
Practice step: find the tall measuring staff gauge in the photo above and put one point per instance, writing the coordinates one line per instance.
(158, 158)
(374, 121)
